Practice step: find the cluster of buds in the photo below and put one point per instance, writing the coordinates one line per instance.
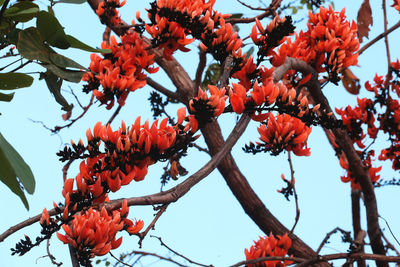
(173, 20)
(121, 71)
(108, 13)
(329, 45)
(205, 107)
(269, 246)
(272, 36)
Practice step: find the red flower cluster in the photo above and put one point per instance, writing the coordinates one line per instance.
(285, 132)
(204, 107)
(269, 246)
(93, 233)
(171, 21)
(108, 13)
(120, 72)
(329, 45)
(366, 114)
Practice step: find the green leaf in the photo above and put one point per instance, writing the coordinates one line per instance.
(236, 16)
(75, 43)
(21, 169)
(69, 75)
(54, 84)
(250, 52)
(12, 166)
(12, 80)
(12, 36)
(51, 30)
(6, 97)
(71, 1)
(22, 11)
(212, 75)
(31, 46)
(7, 176)
(64, 62)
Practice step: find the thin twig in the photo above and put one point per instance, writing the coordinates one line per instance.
(354, 256)
(158, 87)
(269, 11)
(386, 37)
(250, 7)
(85, 109)
(200, 69)
(201, 148)
(65, 169)
(6, 66)
(115, 258)
(178, 254)
(116, 112)
(292, 181)
(52, 258)
(144, 253)
(142, 235)
(328, 235)
(21, 66)
(390, 230)
(376, 39)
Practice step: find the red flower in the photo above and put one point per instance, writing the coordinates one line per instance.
(284, 132)
(269, 246)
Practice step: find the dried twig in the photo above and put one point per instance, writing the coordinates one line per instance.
(142, 235)
(292, 181)
(178, 254)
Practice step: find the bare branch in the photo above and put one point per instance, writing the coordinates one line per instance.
(158, 87)
(178, 254)
(142, 235)
(269, 11)
(292, 181)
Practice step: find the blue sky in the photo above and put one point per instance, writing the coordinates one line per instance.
(207, 225)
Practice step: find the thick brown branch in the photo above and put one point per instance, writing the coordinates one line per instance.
(356, 167)
(355, 212)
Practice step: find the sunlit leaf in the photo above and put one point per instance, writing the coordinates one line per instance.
(22, 11)
(75, 43)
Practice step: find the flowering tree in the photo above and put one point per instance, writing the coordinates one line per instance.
(279, 87)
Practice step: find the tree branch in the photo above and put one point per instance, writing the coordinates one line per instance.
(164, 197)
(356, 167)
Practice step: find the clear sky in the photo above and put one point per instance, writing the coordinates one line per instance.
(207, 225)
